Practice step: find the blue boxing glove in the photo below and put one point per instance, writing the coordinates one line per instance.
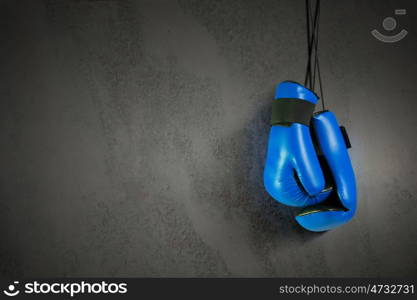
(293, 175)
(340, 207)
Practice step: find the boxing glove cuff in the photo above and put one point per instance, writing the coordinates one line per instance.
(291, 110)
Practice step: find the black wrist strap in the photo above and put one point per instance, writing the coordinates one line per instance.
(286, 111)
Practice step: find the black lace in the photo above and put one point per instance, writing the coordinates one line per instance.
(313, 66)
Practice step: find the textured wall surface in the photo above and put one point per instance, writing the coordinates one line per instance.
(133, 138)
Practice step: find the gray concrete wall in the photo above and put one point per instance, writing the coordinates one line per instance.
(133, 138)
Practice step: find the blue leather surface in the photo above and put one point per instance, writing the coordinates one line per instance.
(293, 174)
(291, 154)
(336, 154)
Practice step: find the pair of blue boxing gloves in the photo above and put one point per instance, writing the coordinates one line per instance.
(308, 164)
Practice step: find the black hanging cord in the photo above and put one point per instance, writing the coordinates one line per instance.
(313, 66)
(316, 42)
(307, 77)
(311, 34)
